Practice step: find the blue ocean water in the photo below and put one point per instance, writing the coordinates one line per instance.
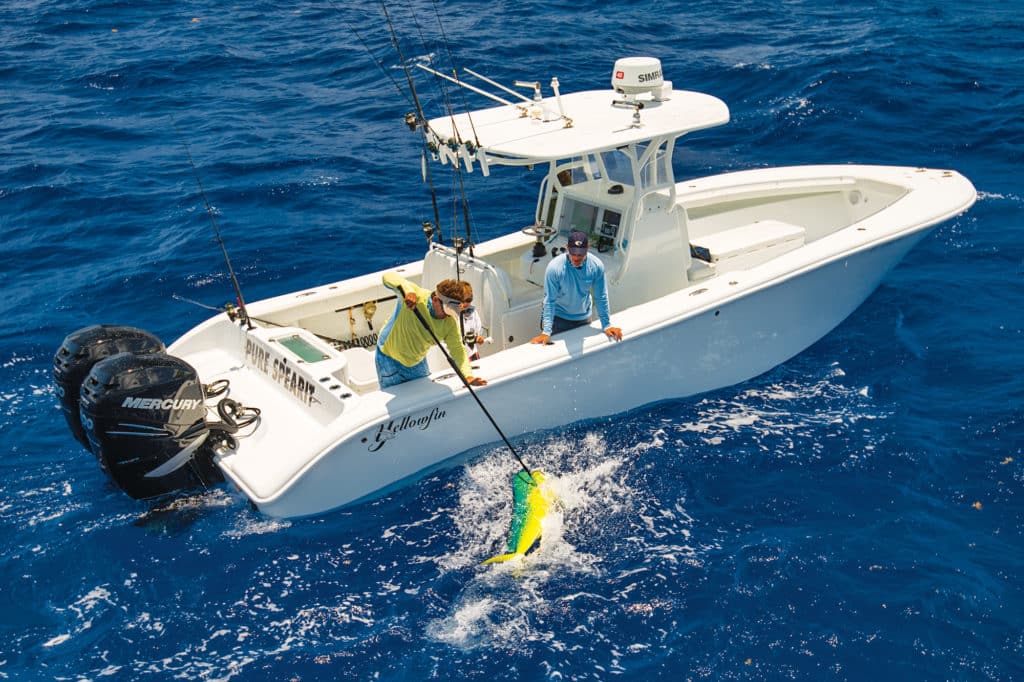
(853, 514)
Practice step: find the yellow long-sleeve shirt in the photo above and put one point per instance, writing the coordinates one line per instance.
(408, 341)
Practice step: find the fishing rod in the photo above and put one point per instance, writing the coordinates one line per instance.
(196, 303)
(465, 208)
(420, 120)
(428, 176)
(455, 165)
(220, 240)
(451, 58)
(458, 373)
(457, 242)
(448, 106)
(405, 67)
(469, 117)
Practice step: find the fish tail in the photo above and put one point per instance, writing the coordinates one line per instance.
(501, 557)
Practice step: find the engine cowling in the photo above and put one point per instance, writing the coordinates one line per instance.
(78, 354)
(144, 417)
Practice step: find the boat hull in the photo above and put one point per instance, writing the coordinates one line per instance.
(728, 341)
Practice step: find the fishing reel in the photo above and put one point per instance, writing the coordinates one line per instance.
(470, 339)
(369, 310)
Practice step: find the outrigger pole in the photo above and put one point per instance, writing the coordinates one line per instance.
(458, 373)
(469, 117)
(209, 211)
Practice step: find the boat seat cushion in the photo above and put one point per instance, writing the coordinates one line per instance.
(362, 369)
(748, 245)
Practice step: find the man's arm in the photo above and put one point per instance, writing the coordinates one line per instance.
(599, 290)
(552, 276)
(547, 308)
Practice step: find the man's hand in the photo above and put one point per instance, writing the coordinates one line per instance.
(411, 300)
(613, 333)
(541, 339)
(476, 381)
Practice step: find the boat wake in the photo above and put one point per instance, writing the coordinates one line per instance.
(784, 418)
(178, 515)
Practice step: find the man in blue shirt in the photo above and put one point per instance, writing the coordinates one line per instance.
(570, 281)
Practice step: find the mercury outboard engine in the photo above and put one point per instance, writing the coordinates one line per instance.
(83, 349)
(144, 417)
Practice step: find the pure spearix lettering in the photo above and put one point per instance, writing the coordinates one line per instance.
(280, 371)
(256, 356)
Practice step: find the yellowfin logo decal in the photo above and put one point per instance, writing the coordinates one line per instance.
(393, 427)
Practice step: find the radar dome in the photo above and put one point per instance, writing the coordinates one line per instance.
(636, 75)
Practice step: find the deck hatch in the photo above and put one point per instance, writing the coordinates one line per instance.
(302, 348)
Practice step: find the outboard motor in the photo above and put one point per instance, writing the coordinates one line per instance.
(144, 417)
(83, 349)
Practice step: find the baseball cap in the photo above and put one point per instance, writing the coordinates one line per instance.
(578, 243)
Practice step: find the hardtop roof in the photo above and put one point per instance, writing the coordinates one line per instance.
(597, 125)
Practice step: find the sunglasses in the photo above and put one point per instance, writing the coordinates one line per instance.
(453, 303)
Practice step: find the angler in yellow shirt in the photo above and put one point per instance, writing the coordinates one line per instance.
(403, 343)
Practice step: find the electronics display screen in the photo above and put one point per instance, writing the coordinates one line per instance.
(581, 217)
(610, 224)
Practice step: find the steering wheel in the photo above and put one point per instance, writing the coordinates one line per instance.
(540, 231)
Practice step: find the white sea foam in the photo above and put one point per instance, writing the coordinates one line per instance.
(59, 639)
(466, 624)
(501, 603)
(983, 196)
(579, 475)
(256, 527)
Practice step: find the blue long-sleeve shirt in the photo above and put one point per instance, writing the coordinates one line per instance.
(568, 290)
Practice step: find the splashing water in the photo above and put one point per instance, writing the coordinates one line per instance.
(503, 605)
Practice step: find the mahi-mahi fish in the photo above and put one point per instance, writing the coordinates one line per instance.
(530, 504)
